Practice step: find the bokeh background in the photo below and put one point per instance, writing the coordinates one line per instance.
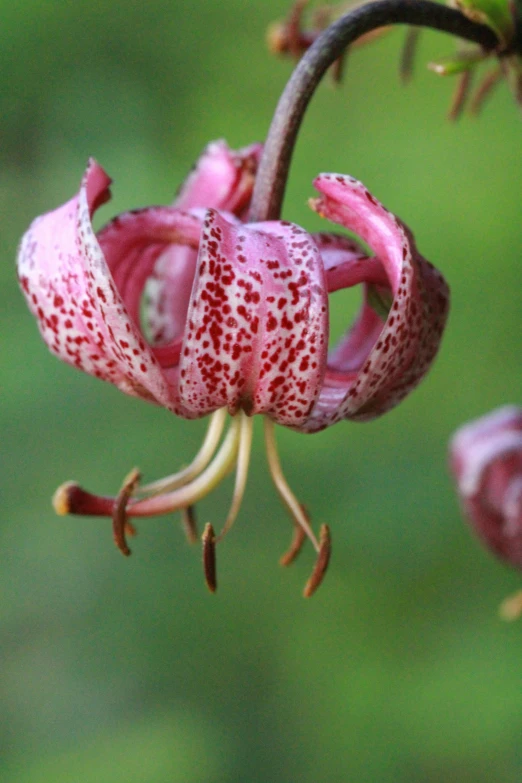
(117, 669)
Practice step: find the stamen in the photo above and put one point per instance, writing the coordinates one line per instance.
(243, 460)
(321, 564)
(209, 557)
(409, 50)
(296, 545)
(188, 520)
(189, 494)
(484, 89)
(285, 493)
(459, 97)
(199, 463)
(130, 530)
(119, 514)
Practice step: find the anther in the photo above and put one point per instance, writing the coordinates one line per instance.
(484, 89)
(459, 96)
(120, 525)
(209, 557)
(189, 522)
(409, 50)
(296, 545)
(321, 564)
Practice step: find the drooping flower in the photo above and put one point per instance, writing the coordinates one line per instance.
(486, 459)
(236, 320)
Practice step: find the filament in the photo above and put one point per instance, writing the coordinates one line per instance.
(189, 494)
(281, 484)
(243, 460)
(199, 463)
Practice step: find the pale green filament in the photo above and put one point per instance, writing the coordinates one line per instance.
(285, 493)
(243, 460)
(189, 494)
(198, 464)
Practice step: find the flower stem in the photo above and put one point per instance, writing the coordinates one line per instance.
(275, 162)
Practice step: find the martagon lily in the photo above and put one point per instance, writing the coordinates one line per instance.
(192, 308)
(486, 460)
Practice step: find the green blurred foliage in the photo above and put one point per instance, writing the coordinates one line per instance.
(127, 670)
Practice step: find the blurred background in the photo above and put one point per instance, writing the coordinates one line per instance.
(117, 669)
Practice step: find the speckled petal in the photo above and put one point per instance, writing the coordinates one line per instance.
(70, 290)
(486, 459)
(374, 368)
(221, 179)
(135, 243)
(258, 322)
(469, 446)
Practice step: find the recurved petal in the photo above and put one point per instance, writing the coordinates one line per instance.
(376, 365)
(221, 179)
(143, 245)
(480, 443)
(486, 458)
(80, 312)
(257, 323)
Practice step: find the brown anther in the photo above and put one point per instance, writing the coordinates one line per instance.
(321, 564)
(511, 607)
(409, 50)
(209, 557)
(189, 522)
(130, 530)
(120, 524)
(484, 90)
(460, 95)
(296, 545)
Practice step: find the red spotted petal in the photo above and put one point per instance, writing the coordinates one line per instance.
(134, 244)
(221, 179)
(258, 322)
(377, 363)
(69, 287)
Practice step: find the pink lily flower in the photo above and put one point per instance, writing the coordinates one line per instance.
(486, 460)
(236, 322)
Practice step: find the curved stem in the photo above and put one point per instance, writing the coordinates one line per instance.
(275, 162)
